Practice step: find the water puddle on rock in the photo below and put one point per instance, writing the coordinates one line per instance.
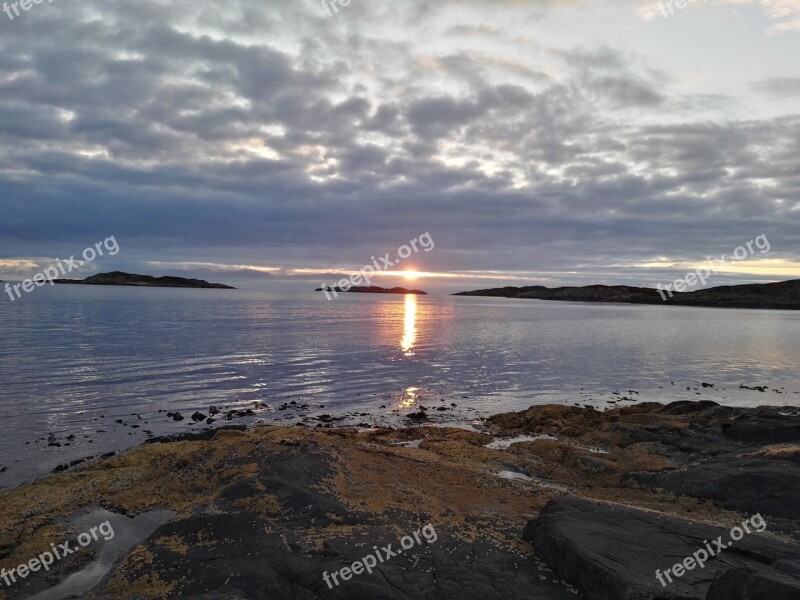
(128, 532)
(516, 476)
(410, 444)
(504, 444)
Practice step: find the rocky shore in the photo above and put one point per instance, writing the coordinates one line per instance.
(555, 502)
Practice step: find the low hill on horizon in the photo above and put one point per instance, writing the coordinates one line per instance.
(779, 295)
(132, 279)
(373, 289)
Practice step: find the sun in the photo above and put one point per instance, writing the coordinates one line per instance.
(410, 275)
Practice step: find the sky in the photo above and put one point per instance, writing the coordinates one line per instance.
(272, 144)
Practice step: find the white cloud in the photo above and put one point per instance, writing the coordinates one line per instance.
(784, 13)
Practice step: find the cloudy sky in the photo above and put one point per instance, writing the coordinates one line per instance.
(537, 141)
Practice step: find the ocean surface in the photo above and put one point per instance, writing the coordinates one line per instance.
(90, 370)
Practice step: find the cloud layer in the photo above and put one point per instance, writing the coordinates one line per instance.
(265, 137)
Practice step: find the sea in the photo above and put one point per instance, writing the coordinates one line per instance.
(86, 371)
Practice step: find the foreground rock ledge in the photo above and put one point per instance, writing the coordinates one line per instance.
(262, 514)
(613, 552)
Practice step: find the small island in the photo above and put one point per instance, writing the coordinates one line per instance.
(130, 279)
(373, 289)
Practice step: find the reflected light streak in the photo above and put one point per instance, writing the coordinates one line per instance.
(409, 397)
(410, 325)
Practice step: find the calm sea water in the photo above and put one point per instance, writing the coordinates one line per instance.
(75, 360)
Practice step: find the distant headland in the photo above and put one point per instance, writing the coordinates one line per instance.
(781, 295)
(373, 289)
(120, 278)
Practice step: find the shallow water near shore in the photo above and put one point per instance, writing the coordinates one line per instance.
(88, 370)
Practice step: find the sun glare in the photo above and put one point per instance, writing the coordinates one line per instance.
(410, 275)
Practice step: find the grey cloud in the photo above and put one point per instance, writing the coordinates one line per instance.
(782, 87)
(266, 134)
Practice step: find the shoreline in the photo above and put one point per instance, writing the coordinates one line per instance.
(102, 433)
(308, 498)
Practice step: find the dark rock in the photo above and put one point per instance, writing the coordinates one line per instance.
(69, 465)
(233, 414)
(198, 416)
(755, 388)
(271, 563)
(789, 567)
(232, 553)
(329, 419)
(206, 435)
(762, 584)
(612, 552)
(769, 487)
(768, 428)
(595, 465)
(686, 407)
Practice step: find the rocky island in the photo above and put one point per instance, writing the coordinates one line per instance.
(781, 295)
(373, 289)
(120, 278)
(554, 503)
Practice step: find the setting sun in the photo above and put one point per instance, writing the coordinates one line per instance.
(410, 275)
